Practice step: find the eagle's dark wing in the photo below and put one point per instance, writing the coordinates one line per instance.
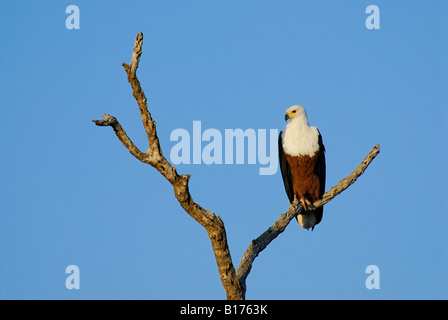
(286, 171)
(321, 167)
(320, 171)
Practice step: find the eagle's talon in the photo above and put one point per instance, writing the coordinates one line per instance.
(304, 204)
(309, 205)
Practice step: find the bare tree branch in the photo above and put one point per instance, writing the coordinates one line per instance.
(137, 92)
(259, 244)
(122, 136)
(295, 208)
(233, 282)
(154, 157)
(350, 179)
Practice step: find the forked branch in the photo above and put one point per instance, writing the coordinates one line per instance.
(233, 282)
(154, 157)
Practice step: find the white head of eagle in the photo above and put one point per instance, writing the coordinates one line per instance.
(302, 163)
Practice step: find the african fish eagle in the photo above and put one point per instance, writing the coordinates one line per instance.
(302, 163)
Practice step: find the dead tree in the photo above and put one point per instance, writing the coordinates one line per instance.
(234, 282)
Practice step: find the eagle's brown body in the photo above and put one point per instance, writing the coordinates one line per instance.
(308, 186)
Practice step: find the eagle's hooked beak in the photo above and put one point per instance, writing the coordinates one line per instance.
(286, 117)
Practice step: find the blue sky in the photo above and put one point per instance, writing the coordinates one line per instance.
(71, 194)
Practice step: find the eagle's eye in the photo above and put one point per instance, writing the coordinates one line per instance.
(293, 111)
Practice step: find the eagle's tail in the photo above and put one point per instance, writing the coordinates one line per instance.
(310, 218)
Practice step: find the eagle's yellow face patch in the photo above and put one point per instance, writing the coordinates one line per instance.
(291, 113)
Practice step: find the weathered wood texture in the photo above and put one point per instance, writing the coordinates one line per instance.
(234, 283)
(154, 157)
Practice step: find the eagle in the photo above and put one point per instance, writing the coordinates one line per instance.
(302, 162)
